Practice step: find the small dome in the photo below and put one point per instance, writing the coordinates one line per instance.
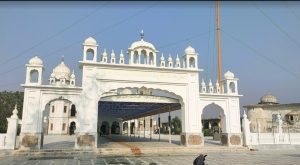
(73, 75)
(62, 71)
(177, 58)
(113, 53)
(189, 50)
(228, 75)
(121, 54)
(104, 54)
(170, 58)
(268, 99)
(203, 83)
(210, 83)
(162, 58)
(35, 61)
(90, 41)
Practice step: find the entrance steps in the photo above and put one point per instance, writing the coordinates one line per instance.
(168, 150)
(123, 151)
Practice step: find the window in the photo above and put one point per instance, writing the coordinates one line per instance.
(232, 87)
(73, 110)
(34, 75)
(51, 126)
(192, 62)
(65, 109)
(64, 126)
(53, 109)
(90, 55)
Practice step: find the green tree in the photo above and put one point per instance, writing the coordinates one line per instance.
(176, 125)
(8, 100)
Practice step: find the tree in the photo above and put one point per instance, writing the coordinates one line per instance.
(176, 125)
(8, 100)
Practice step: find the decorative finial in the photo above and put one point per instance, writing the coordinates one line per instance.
(15, 112)
(73, 71)
(217, 83)
(62, 58)
(142, 35)
(245, 115)
(203, 83)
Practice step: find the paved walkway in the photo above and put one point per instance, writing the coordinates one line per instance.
(59, 141)
(121, 141)
(286, 157)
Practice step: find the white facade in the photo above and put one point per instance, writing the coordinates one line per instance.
(103, 76)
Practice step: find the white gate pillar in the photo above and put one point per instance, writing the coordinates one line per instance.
(246, 130)
(12, 127)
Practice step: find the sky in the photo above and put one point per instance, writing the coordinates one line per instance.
(259, 40)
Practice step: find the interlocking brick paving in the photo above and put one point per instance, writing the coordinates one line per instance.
(280, 157)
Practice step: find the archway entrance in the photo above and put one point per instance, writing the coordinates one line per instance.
(104, 128)
(213, 124)
(72, 128)
(59, 124)
(135, 111)
(115, 128)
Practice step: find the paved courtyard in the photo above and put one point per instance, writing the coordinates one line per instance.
(286, 157)
(274, 157)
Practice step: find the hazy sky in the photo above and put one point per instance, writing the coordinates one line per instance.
(260, 40)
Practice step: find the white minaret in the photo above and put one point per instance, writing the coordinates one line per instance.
(104, 56)
(230, 83)
(190, 58)
(34, 71)
(217, 87)
(121, 61)
(203, 87)
(112, 57)
(170, 61)
(90, 47)
(177, 62)
(72, 78)
(210, 86)
(162, 61)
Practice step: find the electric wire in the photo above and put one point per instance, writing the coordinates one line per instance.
(277, 26)
(268, 59)
(94, 34)
(53, 36)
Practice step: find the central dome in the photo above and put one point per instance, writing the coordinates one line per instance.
(62, 71)
(142, 43)
(268, 99)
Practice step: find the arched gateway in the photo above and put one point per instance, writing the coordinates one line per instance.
(110, 86)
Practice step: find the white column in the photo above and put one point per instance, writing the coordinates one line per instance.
(12, 126)
(121, 127)
(246, 130)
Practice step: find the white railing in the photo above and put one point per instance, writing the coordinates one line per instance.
(2, 140)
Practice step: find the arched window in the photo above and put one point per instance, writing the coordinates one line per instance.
(34, 76)
(90, 55)
(192, 62)
(151, 59)
(73, 110)
(232, 87)
(143, 59)
(136, 57)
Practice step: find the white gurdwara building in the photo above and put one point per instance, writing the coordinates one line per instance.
(116, 89)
